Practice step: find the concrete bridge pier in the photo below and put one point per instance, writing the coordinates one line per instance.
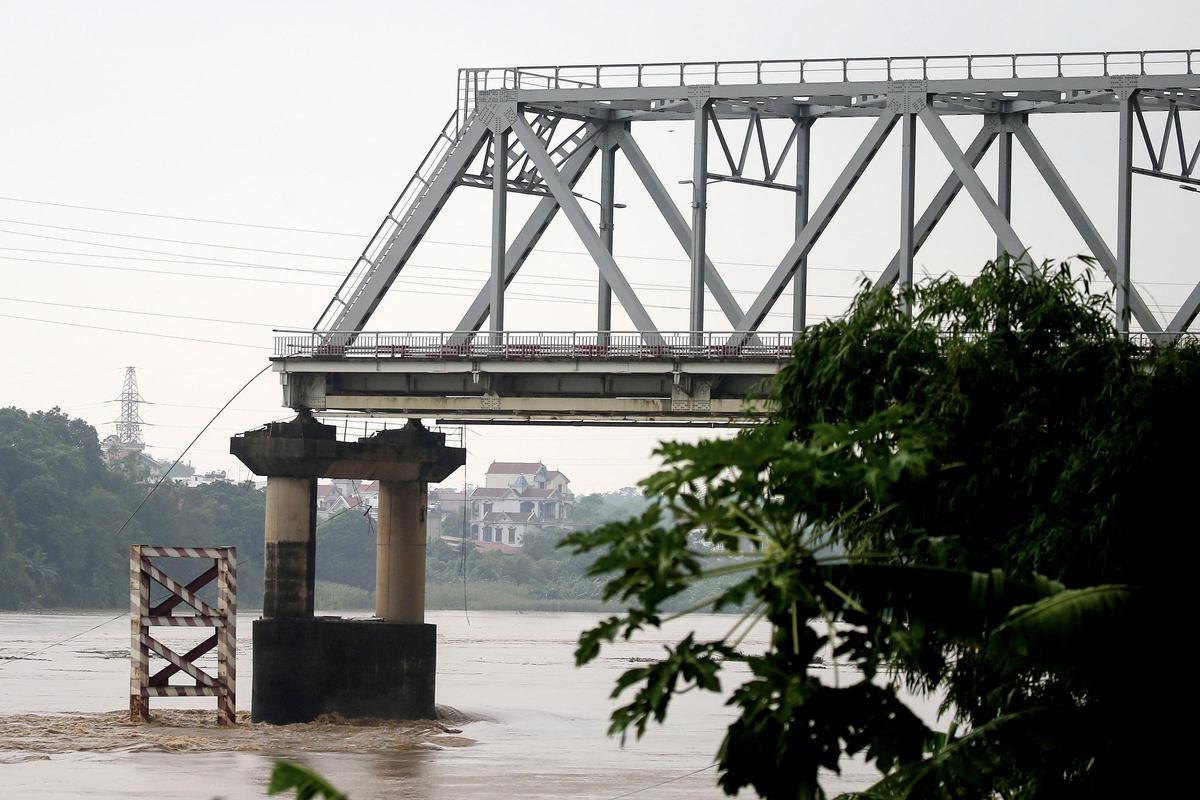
(400, 551)
(290, 548)
(305, 666)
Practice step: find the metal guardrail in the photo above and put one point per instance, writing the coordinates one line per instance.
(827, 70)
(352, 427)
(558, 346)
(532, 346)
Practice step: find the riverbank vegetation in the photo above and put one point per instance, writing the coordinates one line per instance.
(984, 503)
(61, 511)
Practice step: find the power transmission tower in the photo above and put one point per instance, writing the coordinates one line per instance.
(129, 425)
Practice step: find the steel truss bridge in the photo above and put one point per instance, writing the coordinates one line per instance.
(536, 130)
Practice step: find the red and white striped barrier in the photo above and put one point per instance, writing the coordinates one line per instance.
(223, 619)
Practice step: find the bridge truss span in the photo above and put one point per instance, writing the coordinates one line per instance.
(536, 130)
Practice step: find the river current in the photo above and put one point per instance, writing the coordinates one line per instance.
(520, 720)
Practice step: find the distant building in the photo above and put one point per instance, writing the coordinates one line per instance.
(448, 501)
(342, 495)
(362, 498)
(212, 476)
(517, 497)
(132, 460)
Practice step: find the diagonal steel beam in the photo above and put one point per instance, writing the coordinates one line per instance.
(941, 201)
(163, 676)
(674, 218)
(1187, 312)
(679, 226)
(177, 661)
(820, 220)
(712, 115)
(971, 181)
(587, 234)
(375, 283)
(526, 240)
(1079, 218)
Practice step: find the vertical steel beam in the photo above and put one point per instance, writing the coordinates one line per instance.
(587, 234)
(970, 181)
(812, 231)
(674, 218)
(940, 203)
(699, 218)
(524, 242)
(227, 636)
(1004, 183)
(800, 279)
(1083, 224)
(608, 171)
(139, 655)
(499, 229)
(908, 174)
(1124, 211)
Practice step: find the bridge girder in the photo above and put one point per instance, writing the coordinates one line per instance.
(536, 130)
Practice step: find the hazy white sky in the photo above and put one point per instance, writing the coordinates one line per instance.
(312, 115)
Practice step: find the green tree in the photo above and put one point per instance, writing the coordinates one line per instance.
(61, 510)
(959, 504)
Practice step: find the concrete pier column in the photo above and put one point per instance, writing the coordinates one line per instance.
(306, 666)
(290, 548)
(400, 551)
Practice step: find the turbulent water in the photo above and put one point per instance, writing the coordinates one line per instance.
(518, 720)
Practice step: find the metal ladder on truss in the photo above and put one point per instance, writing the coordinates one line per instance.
(386, 235)
(524, 179)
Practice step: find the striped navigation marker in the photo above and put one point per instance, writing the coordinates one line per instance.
(143, 616)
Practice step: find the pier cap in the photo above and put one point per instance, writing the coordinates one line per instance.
(306, 448)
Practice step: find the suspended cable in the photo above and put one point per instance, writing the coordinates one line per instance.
(143, 270)
(135, 511)
(663, 783)
(162, 239)
(182, 219)
(135, 333)
(144, 313)
(462, 552)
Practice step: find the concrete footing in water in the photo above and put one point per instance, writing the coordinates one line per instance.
(304, 668)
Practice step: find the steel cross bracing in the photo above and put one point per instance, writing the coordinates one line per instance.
(129, 425)
(536, 130)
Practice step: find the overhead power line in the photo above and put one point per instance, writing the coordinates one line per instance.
(444, 242)
(144, 313)
(181, 219)
(135, 333)
(169, 241)
(167, 272)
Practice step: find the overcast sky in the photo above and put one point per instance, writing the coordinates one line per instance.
(311, 116)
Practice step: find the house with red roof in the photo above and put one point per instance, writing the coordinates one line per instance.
(517, 497)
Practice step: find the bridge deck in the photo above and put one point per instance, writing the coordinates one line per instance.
(677, 378)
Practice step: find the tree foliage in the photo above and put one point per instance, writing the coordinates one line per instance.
(61, 510)
(306, 782)
(958, 504)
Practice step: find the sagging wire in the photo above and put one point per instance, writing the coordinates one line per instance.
(462, 551)
(12, 659)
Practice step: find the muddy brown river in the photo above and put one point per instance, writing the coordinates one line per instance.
(518, 719)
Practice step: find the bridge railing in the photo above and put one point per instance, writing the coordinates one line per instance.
(829, 70)
(358, 425)
(562, 345)
(531, 345)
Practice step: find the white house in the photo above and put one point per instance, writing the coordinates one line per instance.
(517, 497)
